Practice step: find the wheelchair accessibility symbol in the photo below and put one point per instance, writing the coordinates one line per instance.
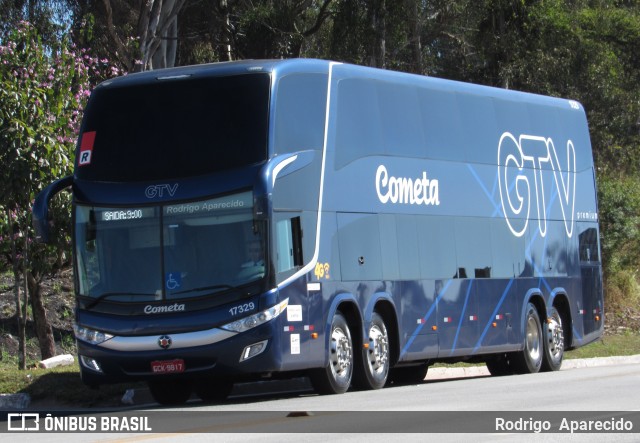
(173, 280)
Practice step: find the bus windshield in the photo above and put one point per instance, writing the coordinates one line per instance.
(175, 128)
(186, 250)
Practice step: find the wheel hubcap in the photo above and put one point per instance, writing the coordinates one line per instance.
(555, 336)
(341, 353)
(533, 339)
(378, 349)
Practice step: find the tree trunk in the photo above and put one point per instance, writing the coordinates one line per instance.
(158, 33)
(226, 46)
(415, 28)
(44, 332)
(21, 321)
(379, 30)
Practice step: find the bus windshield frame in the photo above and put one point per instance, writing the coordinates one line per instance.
(171, 251)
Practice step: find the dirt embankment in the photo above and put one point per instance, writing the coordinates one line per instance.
(59, 302)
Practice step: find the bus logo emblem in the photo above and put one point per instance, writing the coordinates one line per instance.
(154, 191)
(165, 342)
(522, 163)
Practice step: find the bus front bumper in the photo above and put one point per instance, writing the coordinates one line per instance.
(185, 355)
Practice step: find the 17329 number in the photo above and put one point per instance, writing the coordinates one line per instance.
(243, 308)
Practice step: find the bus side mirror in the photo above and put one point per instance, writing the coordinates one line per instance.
(40, 210)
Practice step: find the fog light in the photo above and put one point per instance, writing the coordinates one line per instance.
(253, 350)
(90, 363)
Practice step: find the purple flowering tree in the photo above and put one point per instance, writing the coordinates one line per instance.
(43, 89)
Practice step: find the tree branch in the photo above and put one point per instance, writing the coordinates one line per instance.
(124, 55)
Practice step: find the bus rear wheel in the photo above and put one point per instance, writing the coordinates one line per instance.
(173, 393)
(529, 360)
(336, 377)
(373, 368)
(408, 375)
(553, 342)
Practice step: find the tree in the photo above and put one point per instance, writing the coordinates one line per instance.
(139, 35)
(157, 34)
(47, 16)
(42, 89)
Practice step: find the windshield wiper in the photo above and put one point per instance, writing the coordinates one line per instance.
(101, 297)
(209, 288)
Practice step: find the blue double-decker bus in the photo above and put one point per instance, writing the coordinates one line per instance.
(262, 219)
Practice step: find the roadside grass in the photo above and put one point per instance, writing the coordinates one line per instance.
(57, 386)
(62, 386)
(609, 346)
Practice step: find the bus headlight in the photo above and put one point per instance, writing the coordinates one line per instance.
(258, 319)
(90, 335)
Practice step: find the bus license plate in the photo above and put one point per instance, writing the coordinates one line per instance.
(167, 366)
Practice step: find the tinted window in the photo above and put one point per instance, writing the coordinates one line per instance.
(377, 118)
(359, 125)
(402, 129)
(300, 112)
(589, 245)
(473, 247)
(441, 120)
(175, 128)
(437, 243)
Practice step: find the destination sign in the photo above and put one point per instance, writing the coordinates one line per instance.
(230, 202)
(126, 214)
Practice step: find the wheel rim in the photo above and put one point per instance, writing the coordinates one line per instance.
(533, 339)
(341, 354)
(555, 336)
(378, 352)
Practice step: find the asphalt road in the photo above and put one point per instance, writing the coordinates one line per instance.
(594, 390)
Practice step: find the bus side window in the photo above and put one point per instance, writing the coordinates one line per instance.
(288, 244)
(588, 241)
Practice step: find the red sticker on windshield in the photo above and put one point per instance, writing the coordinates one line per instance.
(86, 147)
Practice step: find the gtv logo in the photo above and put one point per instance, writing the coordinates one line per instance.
(154, 191)
(522, 164)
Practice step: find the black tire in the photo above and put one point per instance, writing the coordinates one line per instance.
(501, 364)
(213, 391)
(408, 375)
(554, 342)
(173, 393)
(336, 377)
(529, 360)
(372, 369)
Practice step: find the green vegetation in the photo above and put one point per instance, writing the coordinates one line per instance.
(60, 386)
(609, 346)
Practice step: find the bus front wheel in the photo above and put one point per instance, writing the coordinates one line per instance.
(173, 393)
(336, 377)
(213, 391)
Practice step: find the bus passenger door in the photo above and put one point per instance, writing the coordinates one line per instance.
(287, 260)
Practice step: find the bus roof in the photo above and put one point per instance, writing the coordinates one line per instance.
(288, 66)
